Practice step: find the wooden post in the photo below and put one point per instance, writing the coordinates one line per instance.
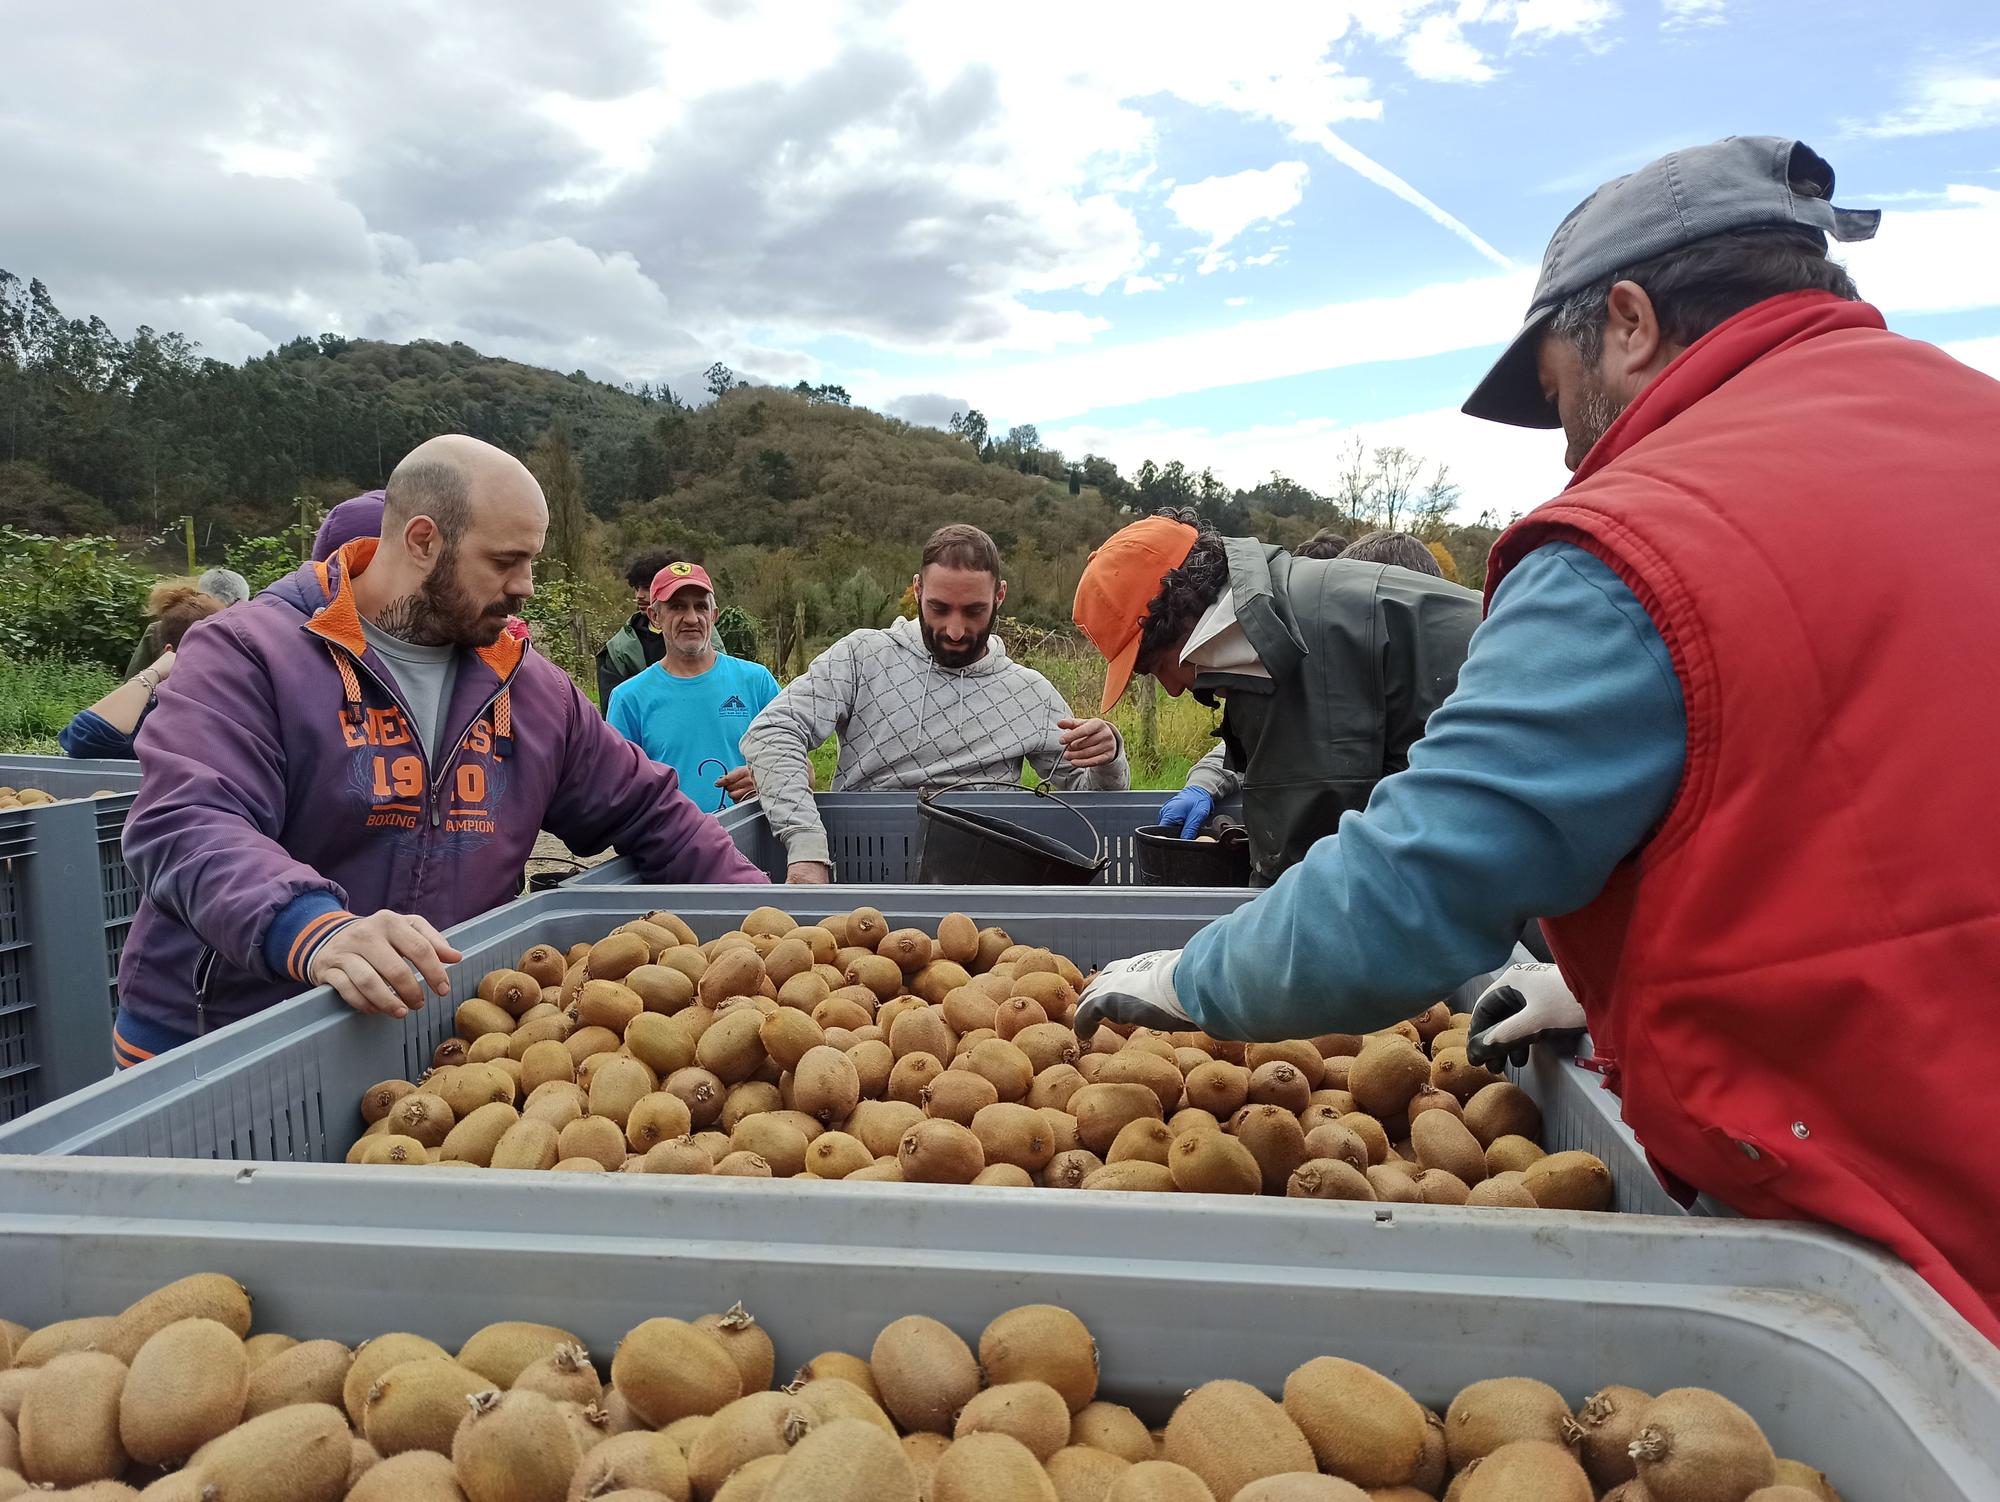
(187, 527)
(1149, 718)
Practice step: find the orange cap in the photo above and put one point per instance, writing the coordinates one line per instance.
(1119, 582)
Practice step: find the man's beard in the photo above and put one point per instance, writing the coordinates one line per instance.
(953, 657)
(438, 614)
(1593, 418)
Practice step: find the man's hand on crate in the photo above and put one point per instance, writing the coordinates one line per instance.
(382, 963)
(1139, 991)
(1526, 1004)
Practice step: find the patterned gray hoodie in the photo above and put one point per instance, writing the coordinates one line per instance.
(905, 722)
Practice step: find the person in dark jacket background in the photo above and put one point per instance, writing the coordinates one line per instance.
(105, 730)
(1328, 667)
(362, 756)
(636, 645)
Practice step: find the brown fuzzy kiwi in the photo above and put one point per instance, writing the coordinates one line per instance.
(187, 1385)
(668, 1369)
(769, 922)
(1511, 1154)
(1136, 1066)
(297, 1454)
(299, 1371)
(640, 1460)
(1014, 1134)
(1392, 1187)
(1500, 1410)
(544, 964)
(957, 1095)
(1451, 1070)
(469, 1086)
(787, 958)
(1328, 1179)
(1052, 1051)
(911, 1075)
(731, 1047)
(788, 1035)
(958, 938)
(1211, 1162)
(1371, 1133)
(1430, 1098)
(607, 1004)
(544, 1062)
(1144, 1139)
(989, 1468)
(1102, 1112)
(1192, 1119)
(743, 1165)
(527, 1144)
(940, 1152)
(617, 1085)
(413, 1476)
(1132, 1176)
(514, 1447)
(374, 1357)
(393, 1149)
(377, 1099)
(1275, 1140)
(67, 1428)
(1528, 1470)
(1694, 1445)
(749, 1098)
(418, 1405)
(826, 1085)
(1062, 1129)
(1331, 1139)
(474, 1019)
(1005, 1066)
(701, 1092)
(777, 1142)
(1436, 1186)
(1082, 1474)
(658, 1116)
(1068, 1170)
(880, 1125)
(1386, 1074)
(1443, 1141)
(1505, 1191)
(1569, 1181)
(1280, 1083)
(1016, 1015)
(1032, 1412)
(752, 1427)
(1796, 1473)
(734, 971)
(585, 1043)
(1004, 1176)
(615, 956)
(501, 1351)
(746, 1341)
(1502, 1110)
(923, 1372)
(594, 1137)
(563, 1376)
(910, 948)
(1113, 1428)
(683, 1156)
(937, 980)
(200, 1296)
(1362, 1427)
(1230, 1434)
(1601, 1433)
(1158, 1481)
(918, 1029)
(848, 1460)
(967, 1009)
(878, 973)
(835, 1155)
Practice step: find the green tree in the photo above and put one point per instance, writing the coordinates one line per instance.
(720, 378)
(554, 463)
(971, 426)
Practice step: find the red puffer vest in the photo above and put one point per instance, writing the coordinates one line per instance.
(1795, 979)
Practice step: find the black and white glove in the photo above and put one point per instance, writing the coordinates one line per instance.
(1138, 991)
(1526, 1004)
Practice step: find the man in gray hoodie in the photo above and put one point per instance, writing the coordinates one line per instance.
(927, 701)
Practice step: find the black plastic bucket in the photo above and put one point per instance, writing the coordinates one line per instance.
(1167, 860)
(956, 847)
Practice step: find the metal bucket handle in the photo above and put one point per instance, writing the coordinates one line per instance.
(1041, 790)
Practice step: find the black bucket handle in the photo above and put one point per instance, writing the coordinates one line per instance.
(929, 796)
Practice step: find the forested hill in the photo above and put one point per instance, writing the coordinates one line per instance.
(786, 489)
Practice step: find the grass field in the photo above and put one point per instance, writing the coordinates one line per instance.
(40, 695)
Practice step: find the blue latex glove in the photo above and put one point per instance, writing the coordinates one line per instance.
(1189, 808)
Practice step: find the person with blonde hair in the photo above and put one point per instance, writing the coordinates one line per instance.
(106, 729)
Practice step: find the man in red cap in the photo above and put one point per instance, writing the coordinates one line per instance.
(1328, 668)
(689, 710)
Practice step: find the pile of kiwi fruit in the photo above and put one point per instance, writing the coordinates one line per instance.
(25, 797)
(848, 1049)
(175, 1400)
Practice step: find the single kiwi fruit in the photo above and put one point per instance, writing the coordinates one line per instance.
(1392, 1186)
(1112, 1428)
(1442, 1141)
(1068, 1169)
(1275, 1140)
(1430, 1098)
(734, 971)
(1211, 1162)
(1796, 1473)
(1052, 1051)
(1146, 1139)
(835, 1155)
(1363, 1427)
(957, 1095)
(937, 1151)
(501, 1351)
(638, 1460)
(394, 1149)
(374, 1357)
(186, 1386)
(1136, 1066)
(1005, 1066)
(617, 955)
(1371, 1132)
(527, 1144)
(1280, 1083)
(1332, 1139)
(748, 1098)
(1500, 1410)
(1032, 1412)
(312, 1371)
(593, 1137)
(1014, 1134)
(880, 1124)
(1694, 1445)
(1134, 1176)
(1526, 1470)
(1502, 1109)
(730, 1048)
(989, 1467)
(910, 1075)
(298, 1454)
(1601, 1433)
(1328, 1179)
(1158, 1481)
(1511, 1154)
(683, 1155)
(67, 1430)
(1230, 1434)
(1102, 1111)
(474, 1019)
(1504, 1191)
(1386, 1074)
(514, 1447)
(826, 1085)
(1451, 1070)
(1082, 1474)
(747, 1343)
(417, 1405)
(413, 1476)
(668, 1369)
(1569, 1181)
(213, 1296)
(1437, 1186)
(755, 1426)
(701, 1092)
(847, 1460)
(743, 1165)
(924, 1372)
(377, 1099)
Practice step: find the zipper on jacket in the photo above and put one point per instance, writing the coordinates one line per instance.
(431, 804)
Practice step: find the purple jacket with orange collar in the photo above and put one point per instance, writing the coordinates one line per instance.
(284, 793)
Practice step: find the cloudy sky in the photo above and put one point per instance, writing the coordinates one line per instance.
(1232, 234)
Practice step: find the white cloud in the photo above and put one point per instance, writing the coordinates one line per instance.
(1234, 302)
(1980, 354)
(1917, 262)
(1562, 17)
(1224, 207)
(1269, 257)
(1135, 284)
(1501, 469)
(1438, 51)
(1686, 13)
(1943, 102)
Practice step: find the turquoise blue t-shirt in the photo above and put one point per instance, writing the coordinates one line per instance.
(693, 724)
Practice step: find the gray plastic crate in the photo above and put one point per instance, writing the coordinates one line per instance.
(286, 1084)
(1845, 1358)
(873, 836)
(69, 894)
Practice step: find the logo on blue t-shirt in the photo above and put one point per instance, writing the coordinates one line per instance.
(732, 705)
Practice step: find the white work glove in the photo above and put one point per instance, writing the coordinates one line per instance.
(1139, 991)
(1528, 1003)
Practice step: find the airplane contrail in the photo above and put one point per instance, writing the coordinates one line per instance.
(1382, 177)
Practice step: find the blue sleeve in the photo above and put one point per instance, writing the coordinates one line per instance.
(301, 926)
(91, 735)
(623, 712)
(1557, 755)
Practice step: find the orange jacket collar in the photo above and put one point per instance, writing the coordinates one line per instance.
(339, 620)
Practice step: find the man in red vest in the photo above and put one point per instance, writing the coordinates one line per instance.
(1700, 722)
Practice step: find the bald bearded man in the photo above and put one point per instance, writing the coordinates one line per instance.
(362, 756)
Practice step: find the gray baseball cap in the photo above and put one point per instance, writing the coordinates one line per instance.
(1738, 183)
